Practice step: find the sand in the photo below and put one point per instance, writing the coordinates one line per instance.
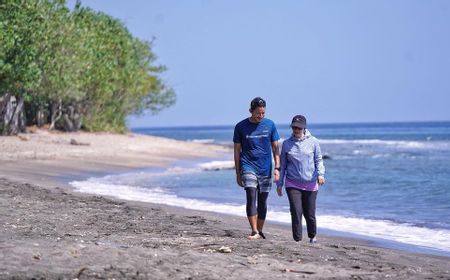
(38, 156)
(47, 231)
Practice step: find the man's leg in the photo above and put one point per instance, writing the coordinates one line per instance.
(251, 208)
(262, 209)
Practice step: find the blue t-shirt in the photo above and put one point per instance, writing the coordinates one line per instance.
(256, 145)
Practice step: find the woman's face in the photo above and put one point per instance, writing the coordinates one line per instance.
(298, 132)
(258, 114)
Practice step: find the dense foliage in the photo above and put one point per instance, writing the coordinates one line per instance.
(77, 67)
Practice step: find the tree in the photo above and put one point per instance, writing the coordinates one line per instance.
(61, 61)
(70, 69)
(122, 79)
(22, 27)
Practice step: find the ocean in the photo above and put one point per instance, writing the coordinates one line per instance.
(386, 182)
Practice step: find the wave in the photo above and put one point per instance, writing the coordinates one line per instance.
(224, 143)
(386, 229)
(135, 178)
(383, 229)
(381, 155)
(435, 145)
(154, 195)
(396, 144)
(217, 165)
(203, 141)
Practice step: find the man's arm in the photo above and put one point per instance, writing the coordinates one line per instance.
(276, 158)
(237, 163)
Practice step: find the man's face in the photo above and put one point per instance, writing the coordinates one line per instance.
(258, 114)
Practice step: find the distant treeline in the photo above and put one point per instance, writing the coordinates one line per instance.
(72, 69)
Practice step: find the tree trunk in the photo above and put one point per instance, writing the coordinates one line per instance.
(56, 113)
(71, 117)
(12, 116)
(40, 116)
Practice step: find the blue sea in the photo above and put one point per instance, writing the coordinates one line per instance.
(386, 182)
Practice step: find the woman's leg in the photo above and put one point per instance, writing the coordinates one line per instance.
(309, 211)
(295, 203)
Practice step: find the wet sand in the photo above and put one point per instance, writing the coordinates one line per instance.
(50, 232)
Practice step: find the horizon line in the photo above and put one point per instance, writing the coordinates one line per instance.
(287, 124)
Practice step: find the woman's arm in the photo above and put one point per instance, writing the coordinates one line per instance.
(280, 182)
(318, 162)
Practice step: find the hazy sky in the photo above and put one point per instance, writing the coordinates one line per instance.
(333, 61)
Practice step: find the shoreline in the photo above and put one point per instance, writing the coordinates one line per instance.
(51, 231)
(58, 233)
(369, 240)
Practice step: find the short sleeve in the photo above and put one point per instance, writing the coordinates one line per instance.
(236, 135)
(274, 137)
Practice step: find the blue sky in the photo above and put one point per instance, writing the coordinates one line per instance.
(332, 61)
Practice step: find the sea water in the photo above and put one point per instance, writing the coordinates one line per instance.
(385, 181)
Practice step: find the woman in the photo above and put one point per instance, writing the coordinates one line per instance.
(301, 172)
(255, 141)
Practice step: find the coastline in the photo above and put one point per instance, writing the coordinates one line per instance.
(51, 231)
(41, 154)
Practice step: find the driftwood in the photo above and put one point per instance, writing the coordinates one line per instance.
(76, 143)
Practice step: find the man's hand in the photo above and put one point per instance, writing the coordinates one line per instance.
(239, 180)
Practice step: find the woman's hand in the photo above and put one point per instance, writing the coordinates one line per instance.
(280, 191)
(276, 175)
(321, 180)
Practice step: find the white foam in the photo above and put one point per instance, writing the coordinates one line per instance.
(135, 178)
(381, 155)
(401, 144)
(203, 141)
(383, 229)
(154, 195)
(217, 165)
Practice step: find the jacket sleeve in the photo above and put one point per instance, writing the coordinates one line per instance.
(318, 160)
(283, 164)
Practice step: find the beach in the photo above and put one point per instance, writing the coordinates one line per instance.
(50, 231)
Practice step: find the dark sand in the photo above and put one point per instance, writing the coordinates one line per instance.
(53, 233)
(47, 231)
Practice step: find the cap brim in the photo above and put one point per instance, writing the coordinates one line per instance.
(299, 125)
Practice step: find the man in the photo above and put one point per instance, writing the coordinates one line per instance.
(255, 141)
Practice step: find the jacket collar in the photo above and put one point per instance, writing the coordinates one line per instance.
(306, 136)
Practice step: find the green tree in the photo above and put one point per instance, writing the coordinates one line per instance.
(61, 60)
(74, 65)
(122, 79)
(23, 25)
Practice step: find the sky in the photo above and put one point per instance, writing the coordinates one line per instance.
(332, 61)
